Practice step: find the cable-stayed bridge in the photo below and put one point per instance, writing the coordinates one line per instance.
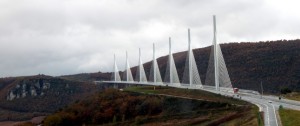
(217, 75)
(217, 78)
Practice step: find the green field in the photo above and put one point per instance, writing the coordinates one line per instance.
(289, 117)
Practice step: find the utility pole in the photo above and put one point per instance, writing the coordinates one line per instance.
(262, 89)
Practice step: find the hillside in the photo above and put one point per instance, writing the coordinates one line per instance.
(25, 97)
(88, 77)
(275, 63)
(113, 107)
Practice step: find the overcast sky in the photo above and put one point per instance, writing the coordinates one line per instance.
(58, 37)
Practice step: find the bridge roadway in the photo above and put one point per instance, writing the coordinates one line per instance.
(268, 104)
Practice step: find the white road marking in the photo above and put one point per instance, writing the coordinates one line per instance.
(275, 115)
(259, 106)
(267, 113)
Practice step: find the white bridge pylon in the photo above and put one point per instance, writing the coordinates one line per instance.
(191, 75)
(127, 75)
(140, 73)
(217, 73)
(115, 76)
(171, 75)
(155, 76)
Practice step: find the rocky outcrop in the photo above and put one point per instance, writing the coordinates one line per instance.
(40, 94)
(28, 88)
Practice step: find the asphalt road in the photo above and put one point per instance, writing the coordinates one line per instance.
(269, 109)
(268, 104)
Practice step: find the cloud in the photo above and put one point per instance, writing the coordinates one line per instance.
(72, 36)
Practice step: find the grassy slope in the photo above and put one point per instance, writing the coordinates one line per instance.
(293, 96)
(289, 117)
(196, 94)
(247, 118)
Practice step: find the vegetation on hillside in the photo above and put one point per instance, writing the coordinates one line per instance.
(114, 107)
(6, 81)
(186, 93)
(88, 77)
(274, 63)
(289, 117)
(292, 96)
(59, 93)
(252, 117)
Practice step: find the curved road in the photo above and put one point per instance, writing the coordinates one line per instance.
(268, 104)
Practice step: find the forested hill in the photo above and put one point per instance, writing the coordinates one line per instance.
(274, 63)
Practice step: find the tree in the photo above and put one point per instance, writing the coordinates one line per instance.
(285, 90)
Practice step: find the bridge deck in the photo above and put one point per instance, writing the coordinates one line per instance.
(176, 85)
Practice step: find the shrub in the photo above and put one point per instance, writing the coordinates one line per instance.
(53, 120)
(285, 90)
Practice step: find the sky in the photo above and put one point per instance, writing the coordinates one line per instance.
(60, 37)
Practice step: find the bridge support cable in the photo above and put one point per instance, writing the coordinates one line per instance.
(171, 75)
(127, 75)
(191, 75)
(217, 74)
(155, 76)
(115, 75)
(140, 73)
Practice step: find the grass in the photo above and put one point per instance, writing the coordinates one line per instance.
(249, 117)
(293, 96)
(144, 89)
(289, 117)
(260, 119)
(190, 93)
